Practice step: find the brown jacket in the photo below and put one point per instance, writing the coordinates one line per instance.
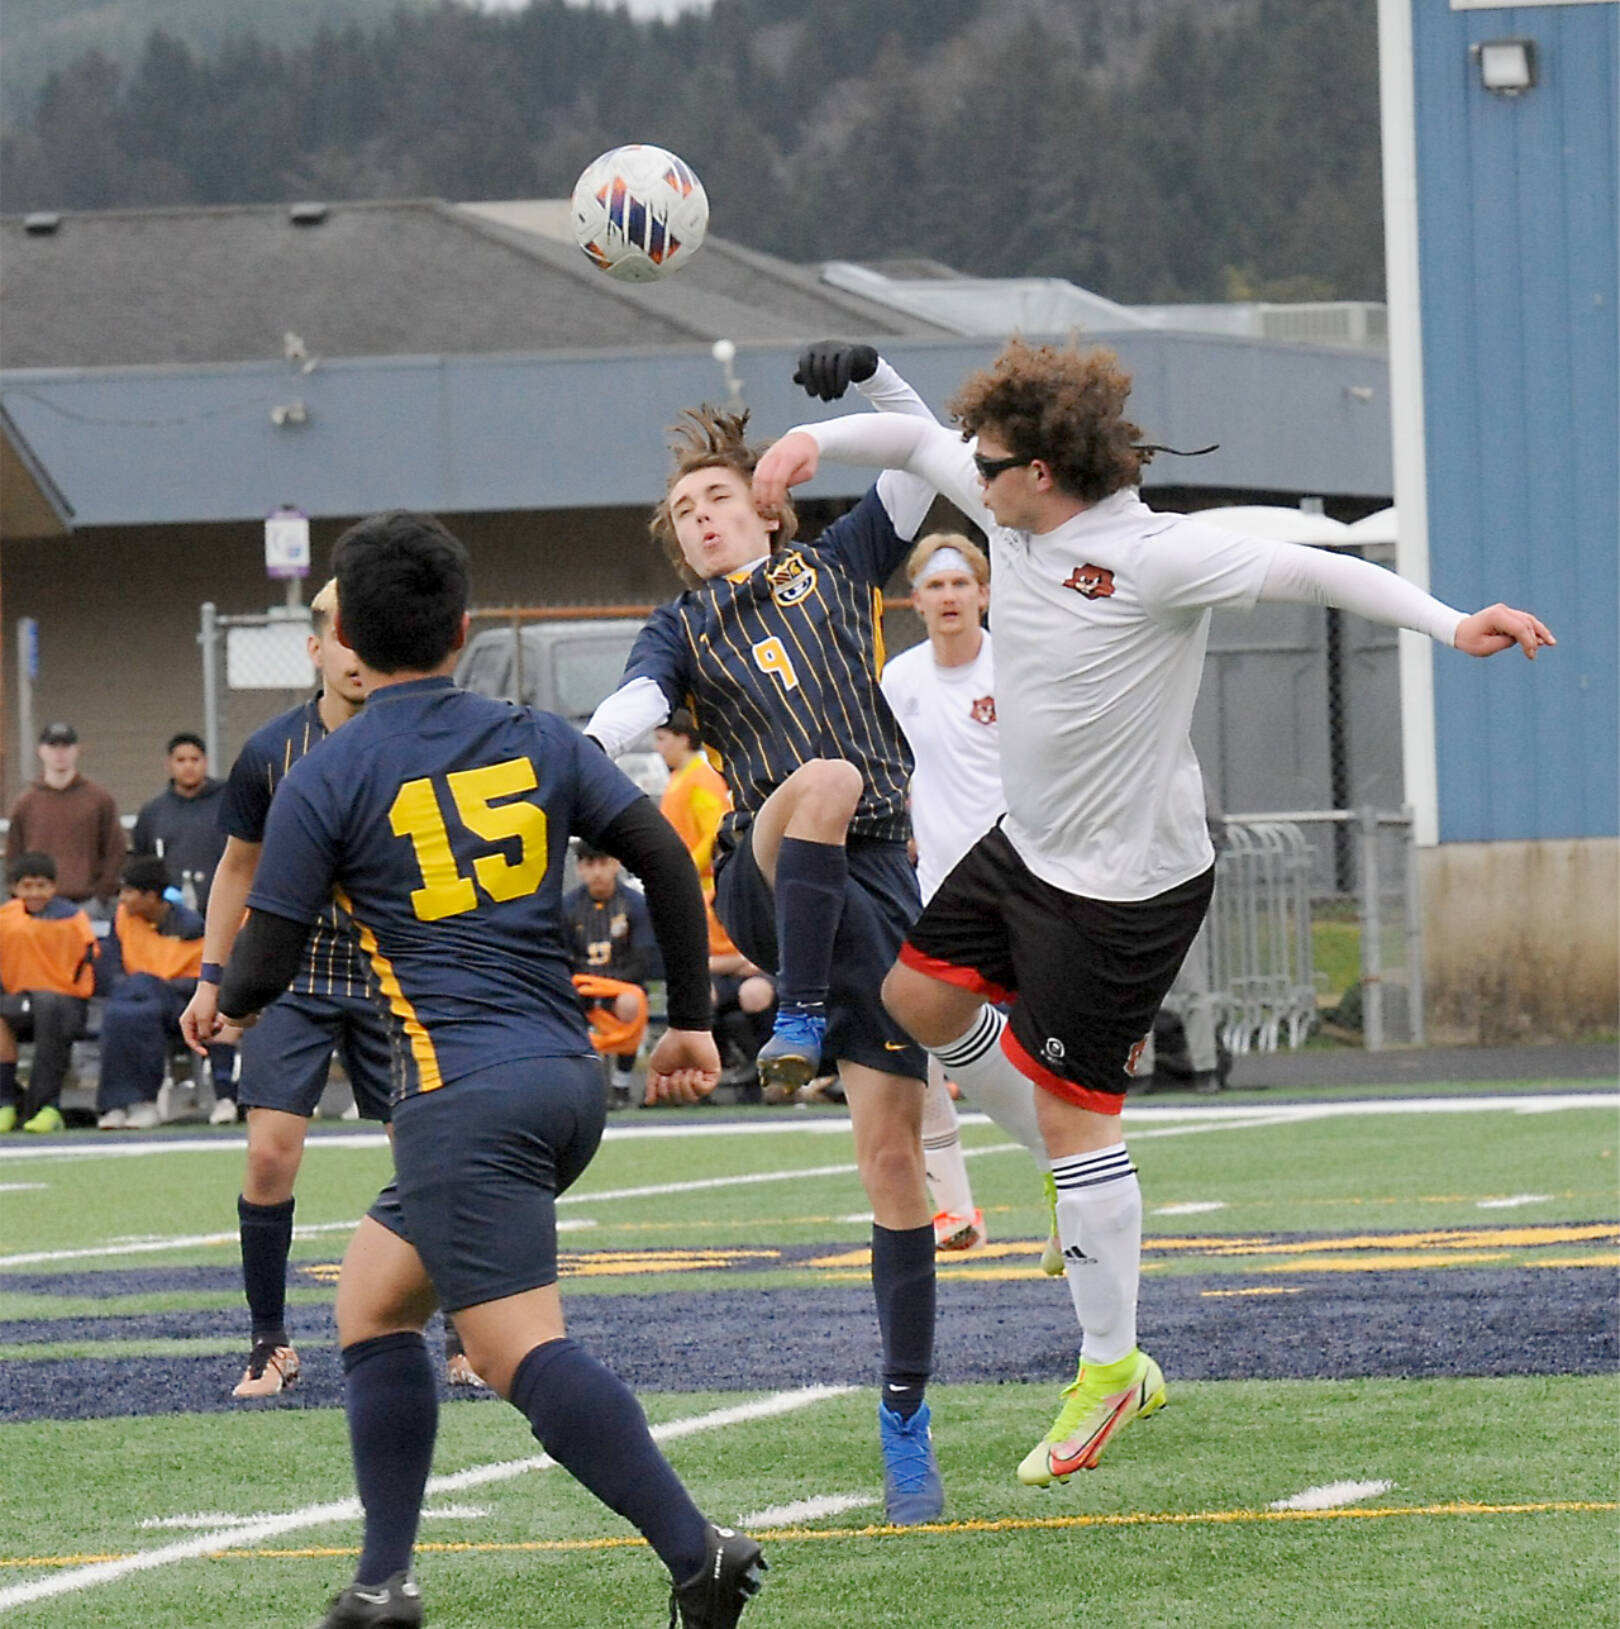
(78, 827)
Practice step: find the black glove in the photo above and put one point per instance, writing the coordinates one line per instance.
(829, 367)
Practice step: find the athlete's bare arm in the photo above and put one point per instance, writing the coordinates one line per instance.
(227, 902)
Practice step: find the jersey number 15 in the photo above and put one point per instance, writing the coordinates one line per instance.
(415, 813)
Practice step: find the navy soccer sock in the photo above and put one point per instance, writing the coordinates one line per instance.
(8, 1082)
(903, 1284)
(266, 1240)
(585, 1417)
(393, 1406)
(809, 889)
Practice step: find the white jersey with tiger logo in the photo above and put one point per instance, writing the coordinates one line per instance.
(949, 716)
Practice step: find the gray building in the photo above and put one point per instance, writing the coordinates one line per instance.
(171, 377)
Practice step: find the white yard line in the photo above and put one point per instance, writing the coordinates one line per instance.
(1333, 1495)
(1513, 1201)
(1146, 1114)
(193, 1241)
(232, 1534)
(806, 1510)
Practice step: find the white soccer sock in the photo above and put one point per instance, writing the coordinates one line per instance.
(977, 1064)
(943, 1163)
(1099, 1210)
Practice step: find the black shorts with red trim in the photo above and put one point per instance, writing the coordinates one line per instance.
(1084, 976)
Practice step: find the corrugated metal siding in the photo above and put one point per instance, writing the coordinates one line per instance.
(1517, 230)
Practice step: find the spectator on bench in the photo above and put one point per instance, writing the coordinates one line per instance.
(149, 967)
(47, 971)
(181, 824)
(609, 938)
(73, 820)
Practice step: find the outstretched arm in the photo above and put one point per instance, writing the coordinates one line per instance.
(886, 440)
(826, 370)
(1309, 576)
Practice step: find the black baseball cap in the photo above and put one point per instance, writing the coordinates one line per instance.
(58, 735)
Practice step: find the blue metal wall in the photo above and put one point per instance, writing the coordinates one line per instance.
(1518, 225)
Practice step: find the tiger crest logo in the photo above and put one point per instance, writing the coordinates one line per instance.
(792, 578)
(1095, 582)
(983, 710)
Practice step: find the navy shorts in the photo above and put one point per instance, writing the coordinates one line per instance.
(1085, 976)
(880, 903)
(287, 1054)
(478, 1166)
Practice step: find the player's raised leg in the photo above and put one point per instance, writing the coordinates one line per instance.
(798, 841)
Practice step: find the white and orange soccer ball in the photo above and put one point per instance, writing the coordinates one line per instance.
(639, 213)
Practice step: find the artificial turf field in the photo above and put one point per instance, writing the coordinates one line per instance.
(1389, 1326)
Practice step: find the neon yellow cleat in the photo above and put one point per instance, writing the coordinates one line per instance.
(1052, 1250)
(47, 1122)
(8, 1117)
(1103, 1399)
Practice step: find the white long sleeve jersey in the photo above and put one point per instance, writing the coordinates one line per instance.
(1100, 629)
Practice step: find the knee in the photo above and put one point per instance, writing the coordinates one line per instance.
(830, 788)
(272, 1169)
(756, 994)
(927, 1010)
(891, 1165)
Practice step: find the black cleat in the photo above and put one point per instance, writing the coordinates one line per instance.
(730, 1578)
(395, 1604)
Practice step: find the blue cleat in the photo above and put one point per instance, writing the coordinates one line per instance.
(912, 1490)
(792, 1056)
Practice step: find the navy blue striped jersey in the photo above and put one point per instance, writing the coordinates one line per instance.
(780, 664)
(332, 964)
(612, 938)
(440, 821)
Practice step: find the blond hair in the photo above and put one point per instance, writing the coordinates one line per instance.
(927, 547)
(708, 438)
(323, 607)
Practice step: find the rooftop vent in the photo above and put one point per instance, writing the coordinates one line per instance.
(42, 224)
(307, 214)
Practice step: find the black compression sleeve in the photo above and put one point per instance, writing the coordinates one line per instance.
(646, 842)
(264, 961)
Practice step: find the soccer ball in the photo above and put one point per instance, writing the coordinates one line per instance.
(639, 213)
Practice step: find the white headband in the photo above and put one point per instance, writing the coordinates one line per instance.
(945, 558)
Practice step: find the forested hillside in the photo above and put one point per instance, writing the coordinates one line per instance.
(1150, 149)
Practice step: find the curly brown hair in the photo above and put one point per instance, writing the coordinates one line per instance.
(710, 438)
(1063, 406)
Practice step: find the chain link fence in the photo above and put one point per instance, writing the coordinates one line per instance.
(254, 666)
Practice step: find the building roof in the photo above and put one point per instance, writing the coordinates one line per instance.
(182, 365)
(127, 288)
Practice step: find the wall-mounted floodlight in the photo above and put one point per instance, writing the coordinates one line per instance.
(1506, 67)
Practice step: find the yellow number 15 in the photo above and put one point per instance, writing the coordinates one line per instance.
(415, 814)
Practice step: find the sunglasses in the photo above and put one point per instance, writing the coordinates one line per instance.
(990, 468)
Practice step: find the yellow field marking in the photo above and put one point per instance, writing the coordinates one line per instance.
(1007, 1524)
(1259, 1289)
(1379, 1264)
(1454, 1238)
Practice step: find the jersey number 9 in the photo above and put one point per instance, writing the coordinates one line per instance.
(415, 813)
(770, 656)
